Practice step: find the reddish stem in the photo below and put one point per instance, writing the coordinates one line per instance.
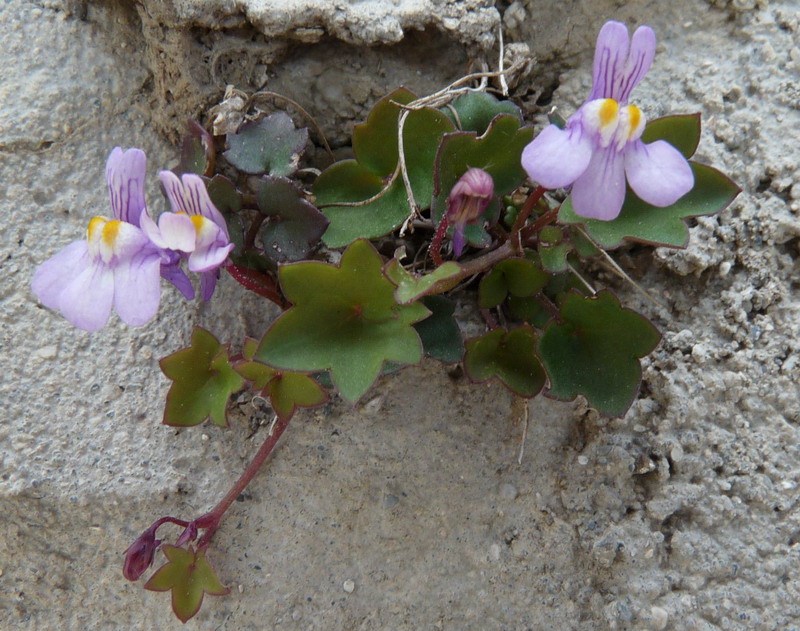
(549, 217)
(435, 248)
(527, 209)
(211, 520)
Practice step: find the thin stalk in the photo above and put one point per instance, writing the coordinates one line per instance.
(212, 519)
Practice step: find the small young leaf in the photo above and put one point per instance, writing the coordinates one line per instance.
(295, 225)
(286, 391)
(439, 332)
(197, 152)
(269, 145)
(476, 110)
(554, 257)
(189, 576)
(595, 351)
(510, 356)
(411, 287)
(515, 276)
(203, 380)
(345, 320)
(642, 222)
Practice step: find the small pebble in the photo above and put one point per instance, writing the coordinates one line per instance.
(349, 586)
(48, 352)
(660, 618)
(494, 552)
(508, 491)
(583, 460)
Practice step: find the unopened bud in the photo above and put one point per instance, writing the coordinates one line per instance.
(139, 556)
(467, 202)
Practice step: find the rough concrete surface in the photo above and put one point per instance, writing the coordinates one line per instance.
(683, 515)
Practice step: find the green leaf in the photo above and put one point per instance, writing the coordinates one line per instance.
(554, 257)
(595, 351)
(644, 223)
(681, 131)
(203, 380)
(439, 332)
(370, 176)
(345, 320)
(295, 225)
(529, 309)
(508, 356)
(269, 145)
(375, 140)
(515, 276)
(497, 152)
(197, 152)
(228, 201)
(476, 110)
(285, 390)
(189, 576)
(411, 287)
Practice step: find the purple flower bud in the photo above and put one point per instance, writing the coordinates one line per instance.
(139, 556)
(467, 202)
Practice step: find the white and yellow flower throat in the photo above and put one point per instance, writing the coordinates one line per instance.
(108, 238)
(612, 123)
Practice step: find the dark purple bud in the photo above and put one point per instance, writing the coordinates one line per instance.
(139, 556)
(467, 201)
(189, 534)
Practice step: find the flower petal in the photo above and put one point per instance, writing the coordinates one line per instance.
(600, 191)
(137, 288)
(610, 56)
(657, 172)
(643, 50)
(208, 282)
(557, 157)
(52, 276)
(177, 277)
(86, 301)
(190, 196)
(177, 232)
(210, 258)
(125, 172)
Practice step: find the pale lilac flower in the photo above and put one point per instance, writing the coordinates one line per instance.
(467, 200)
(194, 228)
(600, 145)
(116, 264)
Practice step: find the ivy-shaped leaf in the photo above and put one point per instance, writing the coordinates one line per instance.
(595, 351)
(439, 332)
(269, 145)
(203, 380)
(295, 225)
(474, 111)
(638, 220)
(345, 320)
(198, 153)
(516, 276)
(510, 356)
(285, 390)
(372, 179)
(411, 287)
(189, 576)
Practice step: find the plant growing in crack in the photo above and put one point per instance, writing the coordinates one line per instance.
(367, 266)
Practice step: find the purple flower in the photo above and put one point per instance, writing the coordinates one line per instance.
(116, 264)
(600, 145)
(466, 202)
(194, 228)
